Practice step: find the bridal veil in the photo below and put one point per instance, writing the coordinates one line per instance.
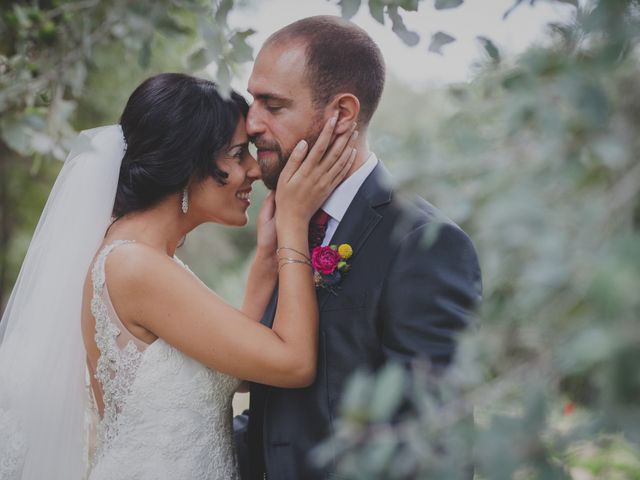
(42, 357)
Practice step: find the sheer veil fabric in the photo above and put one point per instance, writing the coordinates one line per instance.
(43, 395)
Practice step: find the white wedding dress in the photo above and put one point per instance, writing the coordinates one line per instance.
(166, 416)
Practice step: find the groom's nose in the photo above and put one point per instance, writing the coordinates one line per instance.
(254, 123)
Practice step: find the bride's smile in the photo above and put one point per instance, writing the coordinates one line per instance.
(227, 203)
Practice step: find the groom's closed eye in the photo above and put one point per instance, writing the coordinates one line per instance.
(275, 104)
(272, 103)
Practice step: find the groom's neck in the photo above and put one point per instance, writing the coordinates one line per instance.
(363, 153)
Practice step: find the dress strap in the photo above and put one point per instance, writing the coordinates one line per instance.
(97, 274)
(120, 352)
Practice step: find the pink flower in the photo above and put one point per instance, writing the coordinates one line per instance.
(325, 259)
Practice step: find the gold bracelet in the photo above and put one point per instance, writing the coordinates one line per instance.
(308, 262)
(293, 250)
(289, 262)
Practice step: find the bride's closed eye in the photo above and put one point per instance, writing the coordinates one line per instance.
(237, 152)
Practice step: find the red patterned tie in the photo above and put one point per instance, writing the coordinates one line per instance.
(317, 228)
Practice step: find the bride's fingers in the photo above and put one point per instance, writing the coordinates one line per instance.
(342, 153)
(267, 210)
(339, 170)
(320, 146)
(341, 144)
(293, 164)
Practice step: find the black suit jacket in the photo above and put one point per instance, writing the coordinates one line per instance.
(413, 282)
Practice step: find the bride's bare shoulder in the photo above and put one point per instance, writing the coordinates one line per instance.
(135, 264)
(143, 282)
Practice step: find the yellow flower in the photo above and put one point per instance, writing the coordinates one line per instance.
(345, 251)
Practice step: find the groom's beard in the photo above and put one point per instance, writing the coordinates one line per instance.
(271, 170)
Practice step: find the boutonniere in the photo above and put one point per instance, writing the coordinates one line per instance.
(330, 264)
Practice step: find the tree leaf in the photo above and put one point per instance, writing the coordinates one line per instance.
(42, 143)
(244, 34)
(213, 36)
(241, 50)
(198, 59)
(388, 392)
(16, 134)
(446, 4)
(171, 26)
(512, 8)
(408, 37)
(223, 78)
(376, 8)
(490, 48)
(439, 40)
(356, 396)
(349, 8)
(378, 455)
(408, 5)
(224, 7)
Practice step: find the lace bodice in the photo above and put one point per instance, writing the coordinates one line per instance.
(165, 414)
(117, 365)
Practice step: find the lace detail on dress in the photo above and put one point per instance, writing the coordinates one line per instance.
(166, 415)
(116, 368)
(13, 447)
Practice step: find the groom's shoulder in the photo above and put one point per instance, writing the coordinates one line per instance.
(409, 206)
(405, 212)
(423, 231)
(413, 204)
(413, 211)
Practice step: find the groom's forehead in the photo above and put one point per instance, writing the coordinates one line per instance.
(280, 64)
(276, 88)
(278, 73)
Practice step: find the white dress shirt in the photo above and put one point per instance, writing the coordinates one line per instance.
(338, 202)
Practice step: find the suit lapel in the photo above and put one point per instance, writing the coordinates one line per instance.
(361, 217)
(355, 228)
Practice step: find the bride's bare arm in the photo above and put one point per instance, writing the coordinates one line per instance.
(260, 286)
(171, 303)
(152, 290)
(264, 268)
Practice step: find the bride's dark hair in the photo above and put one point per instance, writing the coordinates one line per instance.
(174, 126)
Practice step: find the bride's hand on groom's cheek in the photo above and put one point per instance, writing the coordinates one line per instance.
(309, 178)
(267, 241)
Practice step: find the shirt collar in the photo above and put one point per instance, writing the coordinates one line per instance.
(340, 199)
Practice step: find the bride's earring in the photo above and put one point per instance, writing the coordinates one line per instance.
(185, 200)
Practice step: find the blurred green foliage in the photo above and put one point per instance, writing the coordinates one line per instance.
(537, 158)
(70, 65)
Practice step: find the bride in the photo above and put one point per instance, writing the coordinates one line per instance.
(101, 287)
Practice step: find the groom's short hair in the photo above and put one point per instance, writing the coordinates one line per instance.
(340, 58)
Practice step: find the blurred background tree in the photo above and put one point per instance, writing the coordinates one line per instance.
(70, 65)
(537, 158)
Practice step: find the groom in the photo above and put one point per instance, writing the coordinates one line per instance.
(414, 278)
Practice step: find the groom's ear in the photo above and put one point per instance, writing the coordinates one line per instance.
(347, 106)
